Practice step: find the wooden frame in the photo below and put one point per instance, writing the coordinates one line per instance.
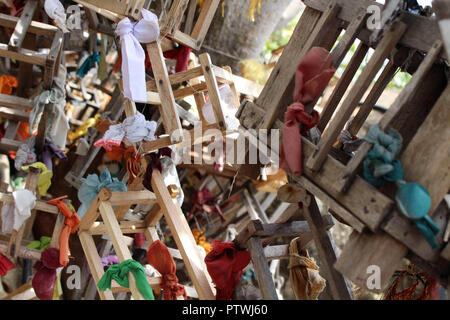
(112, 225)
(369, 210)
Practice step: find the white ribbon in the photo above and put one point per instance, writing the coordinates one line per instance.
(55, 10)
(133, 55)
(15, 214)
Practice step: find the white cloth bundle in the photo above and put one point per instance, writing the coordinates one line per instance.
(229, 109)
(133, 55)
(132, 130)
(55, 10)
(15, 214)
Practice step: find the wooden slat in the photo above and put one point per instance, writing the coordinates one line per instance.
(24, 22)
(168, 110)
(342, 85)
(132, 197)
(99, 228)
(95, 264)
(344, 182)
(92, 213)
(14, 114)
(116, 236)
(323, 240)
(204, 21)
(14, 102)
(25, 55)
(174, 17)
(40, 205)
(262, 271)
(183, 237)
(35, 27)
(387, 44)
(153, 216)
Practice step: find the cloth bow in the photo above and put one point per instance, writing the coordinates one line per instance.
(44, 279)
(160, 258)
(92, 186)
(132, 130)
(225, 264)
(15, 214)
(133, 55)
(312, 76)
(45, 177)
(119, 272)
(5, 265)
(55, 10)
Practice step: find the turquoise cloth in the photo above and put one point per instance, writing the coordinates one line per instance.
(119, 272)
(92, 186)
(380, 165)
(88, 64)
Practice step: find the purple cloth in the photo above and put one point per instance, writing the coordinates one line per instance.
(50, 150)
(110, 260)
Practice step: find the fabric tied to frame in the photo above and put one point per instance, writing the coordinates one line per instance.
(380, 165)
(55, 10)
(46, 97)
(45, 177)
(92, 186)
(15, 214)
(51, 150)
(109, 261)
(312, 76)
(44, 279)
(132, 130)
(58, 122)
(41, 244)
(133, 55)
(88, 64)
(119, 272)
(159, 257)
(7, 83)
(154, 162)
(304, 275)
(25, 154)
(350, 143)
(225, 263)
(5, 265)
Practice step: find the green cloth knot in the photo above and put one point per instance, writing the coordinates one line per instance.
(40, 244)
(119, 272)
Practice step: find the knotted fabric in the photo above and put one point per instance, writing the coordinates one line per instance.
(203, 199)
(45, 177)
(109, 260)
(50, 151)
(225, 264)
(7, 83)
(25, 154)
(350, 143)
(132, 130)
(41, 244)
(312, 76)
(380, 165)
(44, 279)
(92, 186)
(71, 223)
(88, 64)
(304, 275)
(55, 10)
(160, 258)
(154, 162)
(5, 265)
(133, 55)
(119, 272)
(15, 214)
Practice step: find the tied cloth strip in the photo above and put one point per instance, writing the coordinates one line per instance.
(204, 199)
(45, 177)
(225, 263)
(154, 162)
(71, 223)
(133, 64)
(51, 150)
(312, 76)
(41, 244)
(44, 279)
(5, 265)
(201, 240)
(159, 257)
(55, 10)
(92, 186)
(119, 272)
(15, 214)
(133, 160)
(7, 83)
(88, 64)
(25, 154)
(306, 281)
(133, 129)
(380, 166)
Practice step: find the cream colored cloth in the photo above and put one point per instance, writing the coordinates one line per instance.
(306, 281)
(15, 214)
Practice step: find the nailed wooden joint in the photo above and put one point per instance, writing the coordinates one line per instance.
(173, 190)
